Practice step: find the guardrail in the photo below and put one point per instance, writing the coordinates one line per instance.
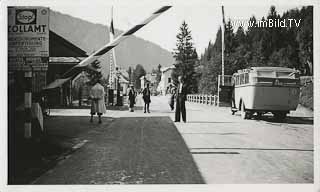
(203, 99)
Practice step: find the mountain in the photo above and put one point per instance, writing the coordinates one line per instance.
(90, 37)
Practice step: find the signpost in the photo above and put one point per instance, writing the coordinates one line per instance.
(28, 48)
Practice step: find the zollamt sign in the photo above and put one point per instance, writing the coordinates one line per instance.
(28, 36)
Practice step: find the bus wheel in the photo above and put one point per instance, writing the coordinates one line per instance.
(259, 115)
(280, 115)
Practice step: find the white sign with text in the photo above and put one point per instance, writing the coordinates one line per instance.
(28, 32)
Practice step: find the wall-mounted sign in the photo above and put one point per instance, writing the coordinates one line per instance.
(28, 63)
(28, 32)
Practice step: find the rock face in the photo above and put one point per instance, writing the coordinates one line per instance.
(90, 37)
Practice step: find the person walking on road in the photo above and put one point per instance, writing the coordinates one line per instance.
(132, 98)
(146, 98)
(180, 101)
(97, 101)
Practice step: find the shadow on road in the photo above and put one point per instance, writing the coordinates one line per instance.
(222, 153)
(131, 150)
(289, 120)
(208, 122)
(254, 149)
(208, 133)
(153, 148)
(29, 158)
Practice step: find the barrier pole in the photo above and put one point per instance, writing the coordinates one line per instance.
(27, 104)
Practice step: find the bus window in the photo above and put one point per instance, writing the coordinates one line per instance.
(246, 78)
(237, 79)
(241, 79)
(265, 73)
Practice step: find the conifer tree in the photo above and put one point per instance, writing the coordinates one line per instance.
(186, 59)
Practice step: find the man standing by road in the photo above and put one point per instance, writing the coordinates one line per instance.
(180, 101)
(97, 100)
(146, 98)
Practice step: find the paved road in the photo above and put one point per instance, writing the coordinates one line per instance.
(228, 149)
(223, 148)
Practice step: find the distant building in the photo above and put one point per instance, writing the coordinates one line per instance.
(166, 79)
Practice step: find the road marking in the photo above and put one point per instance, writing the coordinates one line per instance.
(77, 146)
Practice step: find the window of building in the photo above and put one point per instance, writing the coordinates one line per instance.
(169, 80)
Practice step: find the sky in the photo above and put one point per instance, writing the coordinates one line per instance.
(203, 17)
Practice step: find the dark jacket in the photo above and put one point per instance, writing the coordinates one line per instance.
(132, 96)
(183, 94)
(146, 95)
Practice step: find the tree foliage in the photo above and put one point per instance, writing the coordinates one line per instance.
(185, 59)
(138, 72)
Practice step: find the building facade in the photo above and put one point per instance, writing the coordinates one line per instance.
(166, 79)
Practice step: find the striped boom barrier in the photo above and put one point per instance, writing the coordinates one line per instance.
(103, 50)
(96, 55)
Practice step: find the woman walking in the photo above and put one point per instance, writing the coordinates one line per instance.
(132, 98)
(97, 101)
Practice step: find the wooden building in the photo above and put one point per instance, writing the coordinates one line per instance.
(63, 56)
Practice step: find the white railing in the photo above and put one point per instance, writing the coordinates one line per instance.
(203, 99)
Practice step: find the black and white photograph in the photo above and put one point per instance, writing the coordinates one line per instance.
(154, 93)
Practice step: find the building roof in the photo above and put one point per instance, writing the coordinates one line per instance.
(61, 47)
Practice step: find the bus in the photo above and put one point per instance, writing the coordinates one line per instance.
(260, 90)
